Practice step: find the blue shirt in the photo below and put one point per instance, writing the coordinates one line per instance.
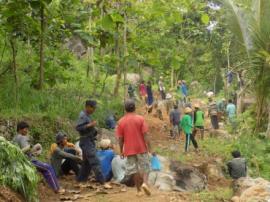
(105, 157)
(184, 89)
(231, 109)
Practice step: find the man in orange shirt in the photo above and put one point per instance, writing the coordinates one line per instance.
(135, 145)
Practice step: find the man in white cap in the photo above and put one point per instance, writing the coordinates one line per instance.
(105, 156)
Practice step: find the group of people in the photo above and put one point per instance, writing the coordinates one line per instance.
(217, 110)
(190, 123)
(130, 165)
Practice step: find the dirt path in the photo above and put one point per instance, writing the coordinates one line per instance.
(162, 144)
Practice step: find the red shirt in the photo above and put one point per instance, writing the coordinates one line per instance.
(132, 128)
(142, 90)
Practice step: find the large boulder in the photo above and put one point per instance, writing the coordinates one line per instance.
(188, 178)
(161, 180)
(251, 190)
(133, 78)
(212, 169)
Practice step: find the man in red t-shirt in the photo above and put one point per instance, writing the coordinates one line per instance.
(135, 145)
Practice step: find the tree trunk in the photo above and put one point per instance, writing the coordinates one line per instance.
(41, 48)
(125, 54)
(172, 76)
(14, 65)
(226, 93)
(268, 125)
(14, 70)
(118, 69)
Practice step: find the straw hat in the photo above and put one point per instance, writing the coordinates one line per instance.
(188, 110)
(196, 106)
(105, 143)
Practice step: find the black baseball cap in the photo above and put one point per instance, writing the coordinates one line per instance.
(91, 103)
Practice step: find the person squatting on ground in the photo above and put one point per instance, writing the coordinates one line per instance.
(62, 151)
(105, 156)
(23, 141)
(86, 128)
(237, 167)
(186, 125)
(198, 121)
(134, 144)
(213, 113)
(175, 122)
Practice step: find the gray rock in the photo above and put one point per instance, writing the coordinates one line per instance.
(188, 178)
(250, 190)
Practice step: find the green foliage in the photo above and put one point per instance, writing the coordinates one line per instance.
(17, 172)
(220, 194)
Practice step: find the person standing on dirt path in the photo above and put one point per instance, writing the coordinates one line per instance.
(198, 121)
(150, 97)
(86, 128)
(161, 88)
(142, 90)
(23, 141)
(186, 125)
(184, 90)
(231, 113)
(131, 91)
(213, 113)
(175, 121)
(135, 144)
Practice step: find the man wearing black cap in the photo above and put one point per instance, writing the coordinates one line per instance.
(58, 153)
(86, 128)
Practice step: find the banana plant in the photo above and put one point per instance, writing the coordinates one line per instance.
(251, 27)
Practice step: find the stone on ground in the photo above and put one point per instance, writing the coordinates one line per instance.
(251, 190)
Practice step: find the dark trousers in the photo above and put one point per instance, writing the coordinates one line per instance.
(90, 161)
(70, 164)
(162, 94)
(214, 121)
(48, 173)
(193, 140)
(199, 128)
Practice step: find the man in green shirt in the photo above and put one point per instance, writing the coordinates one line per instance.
(186, 124)
(198, 121)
